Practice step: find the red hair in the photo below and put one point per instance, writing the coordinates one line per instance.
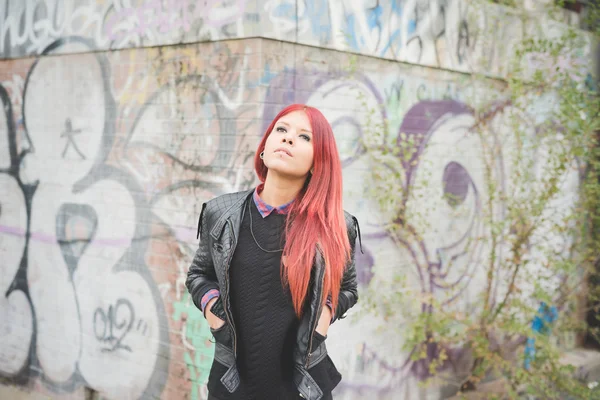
(316, 217)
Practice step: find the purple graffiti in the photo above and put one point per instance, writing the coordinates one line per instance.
(456, 183)
(169, 16)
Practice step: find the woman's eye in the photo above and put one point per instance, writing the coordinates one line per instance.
(305, 137)
(281, 129)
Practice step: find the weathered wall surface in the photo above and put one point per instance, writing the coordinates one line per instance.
(107, 156)
(451, 34)
(106, 159)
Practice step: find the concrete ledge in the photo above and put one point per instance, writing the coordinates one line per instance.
(17, 393)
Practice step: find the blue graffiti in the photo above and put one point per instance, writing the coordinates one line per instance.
(286, 10)
(373, 17)
(412, 26)
(318, 13)
(395, 37)
(265, 79)
(541, 325)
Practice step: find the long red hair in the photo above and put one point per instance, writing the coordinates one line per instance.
(316, 217)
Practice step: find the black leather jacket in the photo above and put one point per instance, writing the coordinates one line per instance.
(218, 227)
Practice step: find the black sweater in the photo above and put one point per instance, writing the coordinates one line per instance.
(262, 310)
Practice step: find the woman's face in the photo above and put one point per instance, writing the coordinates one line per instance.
(289, 147)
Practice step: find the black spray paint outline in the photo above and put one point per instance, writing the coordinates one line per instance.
(133, 258)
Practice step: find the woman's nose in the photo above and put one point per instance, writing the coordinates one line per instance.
(286, 139)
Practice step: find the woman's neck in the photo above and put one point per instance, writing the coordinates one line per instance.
(278, 190)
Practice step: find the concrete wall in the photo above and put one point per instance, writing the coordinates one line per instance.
(451, 34)
(107, 156)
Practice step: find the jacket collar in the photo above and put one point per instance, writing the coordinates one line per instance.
(236, 206)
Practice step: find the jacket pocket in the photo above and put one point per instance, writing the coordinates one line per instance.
(318, 339)
(218, 310)
(319, 349)
(325, 375)
(224, 377)
(222, 380)
(223, 336)
(322, 369)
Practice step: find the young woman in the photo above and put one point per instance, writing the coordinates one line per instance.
(275, 266)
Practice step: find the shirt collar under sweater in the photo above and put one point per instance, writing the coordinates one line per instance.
(264, 209)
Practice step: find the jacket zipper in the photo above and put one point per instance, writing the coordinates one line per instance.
(230, 319)
(312, 332)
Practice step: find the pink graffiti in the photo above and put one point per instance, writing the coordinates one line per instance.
(171, 15)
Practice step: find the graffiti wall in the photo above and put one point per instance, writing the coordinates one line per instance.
(106, 158)
(451, 34)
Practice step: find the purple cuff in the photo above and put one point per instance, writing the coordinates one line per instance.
(328, 304)
(211, 294)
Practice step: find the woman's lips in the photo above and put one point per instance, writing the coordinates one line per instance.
(282, 150)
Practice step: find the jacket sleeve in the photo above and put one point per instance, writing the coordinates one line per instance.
(348, 291)
(201, 279)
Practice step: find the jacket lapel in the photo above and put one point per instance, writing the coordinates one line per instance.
(235, 210)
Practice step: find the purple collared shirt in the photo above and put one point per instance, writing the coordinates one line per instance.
(264, 209)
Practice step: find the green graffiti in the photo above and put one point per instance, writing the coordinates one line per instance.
(197, 333)
(396, 111)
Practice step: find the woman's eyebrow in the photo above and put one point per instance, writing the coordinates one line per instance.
(286, 124)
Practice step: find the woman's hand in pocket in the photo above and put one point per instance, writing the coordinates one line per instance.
(324, 321)
(213, 321)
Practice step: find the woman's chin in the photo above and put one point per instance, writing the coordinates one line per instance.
(287, 173)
